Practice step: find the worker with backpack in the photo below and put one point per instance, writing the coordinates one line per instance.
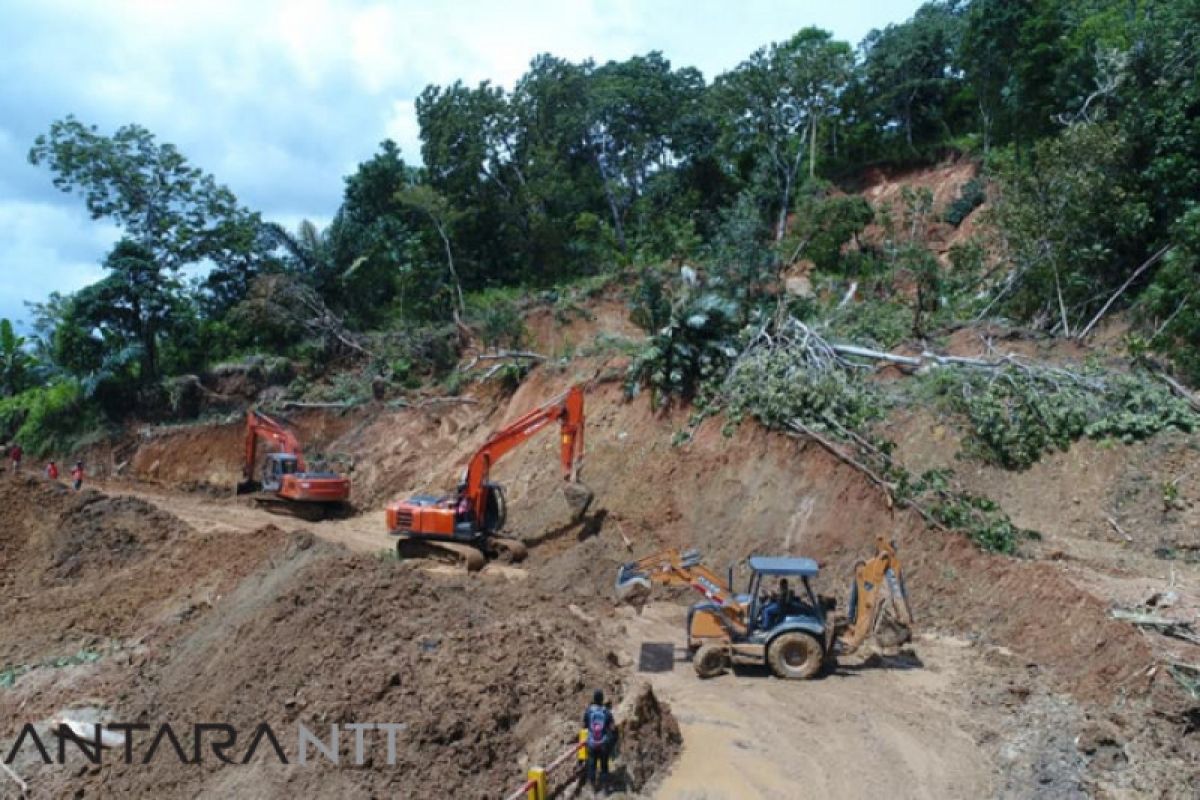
(600, 730)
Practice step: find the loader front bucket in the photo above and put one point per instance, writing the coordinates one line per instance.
(632, 587)
(579, 497)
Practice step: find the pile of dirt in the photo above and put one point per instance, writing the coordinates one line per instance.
(99, 532)
(649, 737)
(90, 571)
(483, 677)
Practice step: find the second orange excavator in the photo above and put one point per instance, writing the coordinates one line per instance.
(286, 483)
(466, 526)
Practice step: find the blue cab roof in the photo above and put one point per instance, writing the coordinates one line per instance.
(783, 565)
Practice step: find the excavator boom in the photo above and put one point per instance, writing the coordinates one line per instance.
(566, 409)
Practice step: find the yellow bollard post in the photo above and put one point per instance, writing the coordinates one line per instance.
(537, 779)
(582, 754)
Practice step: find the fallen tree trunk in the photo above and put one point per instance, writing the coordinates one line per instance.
(301, 404)
(1151, 261)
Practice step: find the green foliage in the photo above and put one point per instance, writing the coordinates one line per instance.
(1070, 223)
(1170, 307)
(696, 345)
(497, 318)
(774, 104)
(778, 387)
(1015, 415)
(9, 675)
(650, 306)
(882, 323)
(970, 197)
(49, 419)
(1084, 112)
(412, 353)
(351, 388)
(910, 79)
(824, 225)
(743, 262)
(175, 212)
(16, 364)
(980, 519)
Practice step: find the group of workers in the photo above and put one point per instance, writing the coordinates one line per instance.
(14, 453)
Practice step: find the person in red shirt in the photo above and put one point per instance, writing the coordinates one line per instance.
(52, 471)
(15, 454)
(77, 475)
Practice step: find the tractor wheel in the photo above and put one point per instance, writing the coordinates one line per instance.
(796, 656)
(710, 660)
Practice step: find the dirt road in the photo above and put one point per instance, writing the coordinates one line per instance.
(362, 533)
(860, 732)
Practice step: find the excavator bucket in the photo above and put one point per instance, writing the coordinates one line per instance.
(248, 487)
(891, 633)
(632, 587)
(579, 497)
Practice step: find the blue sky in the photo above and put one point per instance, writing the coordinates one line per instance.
(280, 100)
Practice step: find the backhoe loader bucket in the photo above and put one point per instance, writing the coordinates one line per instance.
(632, 587)
(579, 497)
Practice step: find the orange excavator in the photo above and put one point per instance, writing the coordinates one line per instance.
(285, 481)
(465, 527)
(793, 632)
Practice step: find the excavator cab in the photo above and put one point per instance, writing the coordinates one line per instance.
(495, 514)
(275, 466)
(798, 604)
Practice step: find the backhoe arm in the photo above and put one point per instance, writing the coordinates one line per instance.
(670, 568)
(878, 601)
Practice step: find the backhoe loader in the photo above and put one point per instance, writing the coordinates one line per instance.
(793, 633)
(285, 483)
(465, 527)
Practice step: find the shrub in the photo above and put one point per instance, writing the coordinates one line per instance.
(498, 320)
(696, 344)
(970, 197)
(1017, 415)
(49, 419)
(776, 387)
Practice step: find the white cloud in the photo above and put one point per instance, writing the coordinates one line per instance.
(46, 248)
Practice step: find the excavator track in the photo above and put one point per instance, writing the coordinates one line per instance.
(446, 552)
(309, 512)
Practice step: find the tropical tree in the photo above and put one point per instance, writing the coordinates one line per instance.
(16, 365)
(773, 105)
(634, 112)
(911, 75)
(175, 212)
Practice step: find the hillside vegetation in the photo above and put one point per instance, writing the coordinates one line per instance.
(698, 200)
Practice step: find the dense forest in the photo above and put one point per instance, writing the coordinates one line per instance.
(1084, 116)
